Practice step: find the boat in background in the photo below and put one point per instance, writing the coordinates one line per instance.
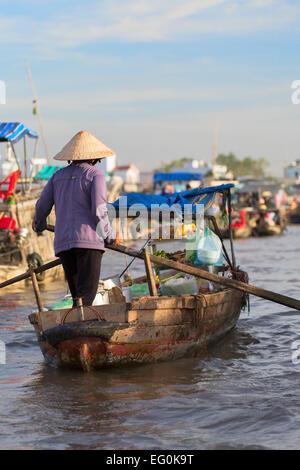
(19, 244)
(177, 180)
(255, 212)
(241, 227)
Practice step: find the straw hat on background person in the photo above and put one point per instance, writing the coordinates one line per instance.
(84, 146)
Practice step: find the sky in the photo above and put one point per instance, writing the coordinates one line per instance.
(153, 79)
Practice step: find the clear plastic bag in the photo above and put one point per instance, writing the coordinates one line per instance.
(179, 285)
(209, 249)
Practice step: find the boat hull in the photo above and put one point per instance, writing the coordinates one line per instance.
(270, 231)
(241, 232)
(294, 218)
(150, 329)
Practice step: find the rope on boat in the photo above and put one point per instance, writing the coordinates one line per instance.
(242, 276)
(100, 318)
(201, 305)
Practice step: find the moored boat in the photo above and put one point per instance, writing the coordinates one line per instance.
(19, 245)
(240, 226)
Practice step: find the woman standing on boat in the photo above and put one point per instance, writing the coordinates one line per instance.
(82, 228)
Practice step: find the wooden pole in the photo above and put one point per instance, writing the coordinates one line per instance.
(40, 269)
(38, 112)
(36, 289)
(232, 283)
(230, 229)
(32, 164)
(195, 271)
(149, 273)
(25, 161)
(17, 161)
(212, 218)
(215, 146)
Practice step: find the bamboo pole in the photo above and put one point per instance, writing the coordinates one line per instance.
(36, 289)
(18, 164)
(25, 162)
(149, 273)
(38, 113)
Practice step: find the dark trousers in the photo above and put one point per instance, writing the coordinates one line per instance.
(82, 268)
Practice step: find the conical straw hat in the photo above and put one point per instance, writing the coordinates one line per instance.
(84, 146)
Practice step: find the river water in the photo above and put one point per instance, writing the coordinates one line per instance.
(242, 394)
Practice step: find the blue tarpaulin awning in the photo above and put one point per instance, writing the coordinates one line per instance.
(47, 172)
(205, 196)
(15, 131)
(159, 177)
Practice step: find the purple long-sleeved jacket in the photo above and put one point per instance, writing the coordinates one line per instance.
(78, 193)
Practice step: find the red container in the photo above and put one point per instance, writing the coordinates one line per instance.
(7, 223)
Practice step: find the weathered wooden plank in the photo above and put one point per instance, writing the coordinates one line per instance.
(149, 334)
(164, 316)
(153, 303)
(184, 301)
(114, 313)
(218, 298)
(149, 274)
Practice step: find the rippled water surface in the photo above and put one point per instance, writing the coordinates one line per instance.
(242, 394)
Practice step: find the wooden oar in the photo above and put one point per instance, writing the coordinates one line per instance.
(195, 271)
(40, 269)
(225, 281)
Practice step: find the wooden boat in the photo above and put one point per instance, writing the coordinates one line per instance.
(148, 329)
(241, 227)
(294, 218)
(265, 229)
(19, 245)
(241, 232)
(16, 249)
(270, 231)
(293, 215)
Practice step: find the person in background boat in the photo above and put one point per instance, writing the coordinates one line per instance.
(280, 197)
(264, 219)
(168, 189)
(188, 187)
(268, 199)
(82, 228)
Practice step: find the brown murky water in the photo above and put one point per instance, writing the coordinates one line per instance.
(242, 394)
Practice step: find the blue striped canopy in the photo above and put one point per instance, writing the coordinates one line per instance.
(15, 131)
(205, 196)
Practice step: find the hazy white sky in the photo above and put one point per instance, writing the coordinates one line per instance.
(151, 78)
